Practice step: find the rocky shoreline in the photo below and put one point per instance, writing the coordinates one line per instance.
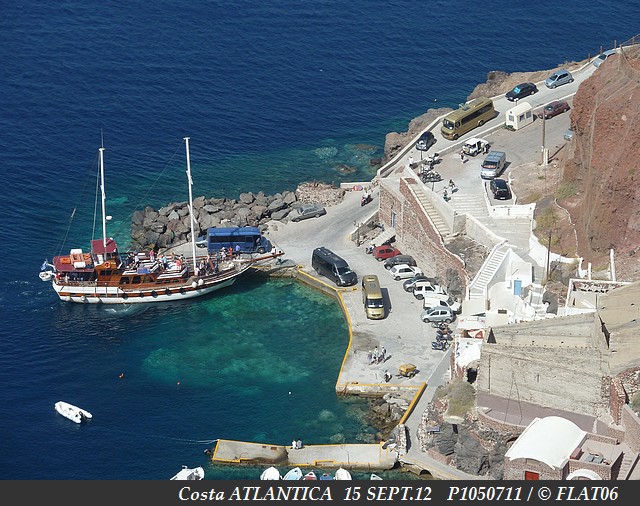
(170, 226)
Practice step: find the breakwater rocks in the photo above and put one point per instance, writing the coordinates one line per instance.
(170, 226)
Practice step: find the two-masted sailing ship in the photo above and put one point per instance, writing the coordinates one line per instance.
(103, 275)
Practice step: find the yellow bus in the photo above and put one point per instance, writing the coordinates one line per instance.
(372, 297)
(473, 114)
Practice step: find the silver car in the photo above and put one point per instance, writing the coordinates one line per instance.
(308, 211)
(438, 314)
(558, 78)
(597, 61)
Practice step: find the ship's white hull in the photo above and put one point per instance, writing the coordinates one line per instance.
(116, 295)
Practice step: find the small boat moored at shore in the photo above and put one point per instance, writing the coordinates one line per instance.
(73, 413)
(310, 476)
(293, 474)
(186, 473)
(342, 474)
(270, 473)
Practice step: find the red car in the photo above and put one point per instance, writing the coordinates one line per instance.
(555, 108)
(381, 253)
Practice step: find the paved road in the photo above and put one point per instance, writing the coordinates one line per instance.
(402, 333)
(501, 104)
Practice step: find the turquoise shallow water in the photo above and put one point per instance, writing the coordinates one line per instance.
(164, 381)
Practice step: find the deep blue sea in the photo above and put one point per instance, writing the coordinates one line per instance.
(271, 94)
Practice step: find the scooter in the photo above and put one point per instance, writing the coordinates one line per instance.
(444, 337)
(440, 345)
(431, 177)
(365, 200)
(433, 159)
(369, 249)
(444, 332)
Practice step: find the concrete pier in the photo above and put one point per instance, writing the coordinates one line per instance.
(348, 456)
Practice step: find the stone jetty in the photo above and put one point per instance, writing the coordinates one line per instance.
(170, 226)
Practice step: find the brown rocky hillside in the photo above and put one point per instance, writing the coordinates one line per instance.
(600, 187)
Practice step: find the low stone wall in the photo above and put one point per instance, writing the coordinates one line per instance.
(512, 212)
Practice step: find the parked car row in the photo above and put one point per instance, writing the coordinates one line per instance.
(438, 306)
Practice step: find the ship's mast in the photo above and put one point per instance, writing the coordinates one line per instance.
(104, 199)
(191, 216)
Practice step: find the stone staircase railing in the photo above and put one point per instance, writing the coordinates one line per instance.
(433, 214)
(478, 287)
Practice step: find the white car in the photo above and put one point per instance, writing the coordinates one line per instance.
(424, 289)
(403, 271)
(474, 146)
(597, 61)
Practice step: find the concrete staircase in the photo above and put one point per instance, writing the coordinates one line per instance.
(535, 300)
(629, 462)
(478, 287)
(433, 214)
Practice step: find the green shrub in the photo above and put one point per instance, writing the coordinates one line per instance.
(462, 398)
(566, 190)
(546, 220)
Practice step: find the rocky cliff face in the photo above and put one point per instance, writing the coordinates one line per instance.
(601, 176)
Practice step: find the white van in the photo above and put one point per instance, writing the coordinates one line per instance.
(493, 164)
(442, 301)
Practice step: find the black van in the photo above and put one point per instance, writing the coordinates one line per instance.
(328, 264)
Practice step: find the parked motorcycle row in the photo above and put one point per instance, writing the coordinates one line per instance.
(444, 336)
(427, 173)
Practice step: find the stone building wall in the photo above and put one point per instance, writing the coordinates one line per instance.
(544, 376)
(631, 425)
(491, 423)
(515, 469)
(604, 471)
(617, 399)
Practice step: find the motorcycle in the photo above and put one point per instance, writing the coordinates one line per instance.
(434, 159)
(440, 325)
(431, 177)
(444, 337)
(440, 345)
(365, 200)
(369, 249)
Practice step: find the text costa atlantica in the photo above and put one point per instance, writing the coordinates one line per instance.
(255, 493)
